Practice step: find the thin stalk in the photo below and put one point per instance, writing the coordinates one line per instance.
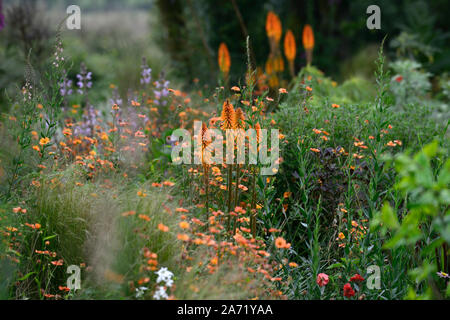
(253, 204)
(230, 193)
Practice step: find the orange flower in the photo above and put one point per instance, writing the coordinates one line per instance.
(36, 183)
(334, 105)
(224, 59)
(239, 119)
(66, 289)
(181, 210)
(183, 237)
(308, 37)
(59, 262)
(128, 213)
(184, 225)
(227, 115)
(44, 141)
(289, 46)
(273, 26)
(144, 217)
(163, 228)
(280, 243)
(258, 132)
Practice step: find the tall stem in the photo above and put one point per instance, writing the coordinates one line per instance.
(229, 186)
(253, 205)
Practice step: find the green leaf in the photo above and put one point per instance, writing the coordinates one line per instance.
(335, 265)
(50, 237)
(26, 276)
(389, 217)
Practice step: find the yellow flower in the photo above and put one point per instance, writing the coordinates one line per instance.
(341, 236)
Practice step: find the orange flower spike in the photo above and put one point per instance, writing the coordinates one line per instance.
(224, 59)
(290, 48)
(239, 119)
(258, 132)
(308, 37)
(308, 42)
(227, 116)
(273, 26)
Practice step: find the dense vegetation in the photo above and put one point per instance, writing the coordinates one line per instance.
(357, 208)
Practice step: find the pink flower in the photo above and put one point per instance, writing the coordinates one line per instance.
(322, 279)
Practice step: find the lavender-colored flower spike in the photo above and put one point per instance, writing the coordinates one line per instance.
(163, 86)
(84, 78)
(146, 72)
(65, 86)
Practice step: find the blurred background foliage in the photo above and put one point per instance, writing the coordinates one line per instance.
(181, 37)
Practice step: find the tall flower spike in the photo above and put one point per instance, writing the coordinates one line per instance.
(308, 37)
(224, 59)
(227, 116)
(258, 132)
(206, 141)
(239, 119)
(290, 49)
(273, 26)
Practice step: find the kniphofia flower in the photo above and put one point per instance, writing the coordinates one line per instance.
(290, 49)
(308, 42)
(308, 37)
(227, 116)
(273, 26)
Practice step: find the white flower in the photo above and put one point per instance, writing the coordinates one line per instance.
(164, 275)
(140, 291)
(160, 293)
(169, 282)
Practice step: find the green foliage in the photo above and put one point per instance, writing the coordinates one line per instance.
(424, 181)
(409, 84)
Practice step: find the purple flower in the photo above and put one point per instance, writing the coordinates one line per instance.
(83, 79)
(146, 73)
(66, 87)
(163, 85)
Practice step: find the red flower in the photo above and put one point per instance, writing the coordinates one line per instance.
(348, 290)
(357, 278)
(322, 279)
(398, 78)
